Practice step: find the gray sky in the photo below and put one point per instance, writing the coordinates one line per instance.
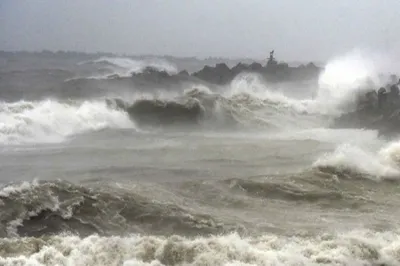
(296, 29)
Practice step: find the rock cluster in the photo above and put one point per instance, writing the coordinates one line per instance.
(221, 74)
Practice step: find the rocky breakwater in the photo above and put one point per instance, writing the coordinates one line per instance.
(273, 71)
(150, 78)
(375, 110)
(221, 74)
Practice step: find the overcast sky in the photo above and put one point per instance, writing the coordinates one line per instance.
(296, 29)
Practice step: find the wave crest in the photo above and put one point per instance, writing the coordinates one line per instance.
(43, 208)
(351, 160)
(51, 121)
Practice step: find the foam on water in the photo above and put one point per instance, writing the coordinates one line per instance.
(355, 248)
(337, 89)
(51, 121)
(8, 190)
(253, 85)
(381, 163)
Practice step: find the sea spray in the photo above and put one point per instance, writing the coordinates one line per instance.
(51, 121)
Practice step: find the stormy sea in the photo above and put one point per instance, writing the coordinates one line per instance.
(100, 165)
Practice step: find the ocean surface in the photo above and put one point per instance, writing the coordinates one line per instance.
(250, 173)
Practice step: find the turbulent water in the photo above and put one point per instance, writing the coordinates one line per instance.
(244, 174)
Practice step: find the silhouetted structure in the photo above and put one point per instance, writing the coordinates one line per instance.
(271, 63)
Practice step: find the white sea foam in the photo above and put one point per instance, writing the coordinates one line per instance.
(375, 163)
(51, 121)
(355, 248)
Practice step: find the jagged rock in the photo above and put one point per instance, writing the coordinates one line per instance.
(220, 74)
(255, 66)
(150, 73)
(370, 115)
(183, 73)
(311, 66)
(239, 68)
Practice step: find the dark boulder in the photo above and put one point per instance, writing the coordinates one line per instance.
(371, 115)
(239, 68)
(311, 66)
(152, 74)
(183, 73)
(220, 74)
(255, 67)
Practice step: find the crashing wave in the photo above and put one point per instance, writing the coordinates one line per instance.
(354, 161)
(44, 208)
(236, 109)
(357, 247)
(52, 121)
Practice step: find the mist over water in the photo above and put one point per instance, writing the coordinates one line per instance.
(101, 171)
(125, 66)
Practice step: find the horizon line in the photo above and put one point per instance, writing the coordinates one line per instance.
(102, 53)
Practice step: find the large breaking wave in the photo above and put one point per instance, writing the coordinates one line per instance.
(247, 103)
(362, 160)
(51, 223)
(50, 121)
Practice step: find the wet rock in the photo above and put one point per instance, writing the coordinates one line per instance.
(255, 67)
(239, 68)
(183, 73)
(370, 115)
(150, 73)
(220, 74)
